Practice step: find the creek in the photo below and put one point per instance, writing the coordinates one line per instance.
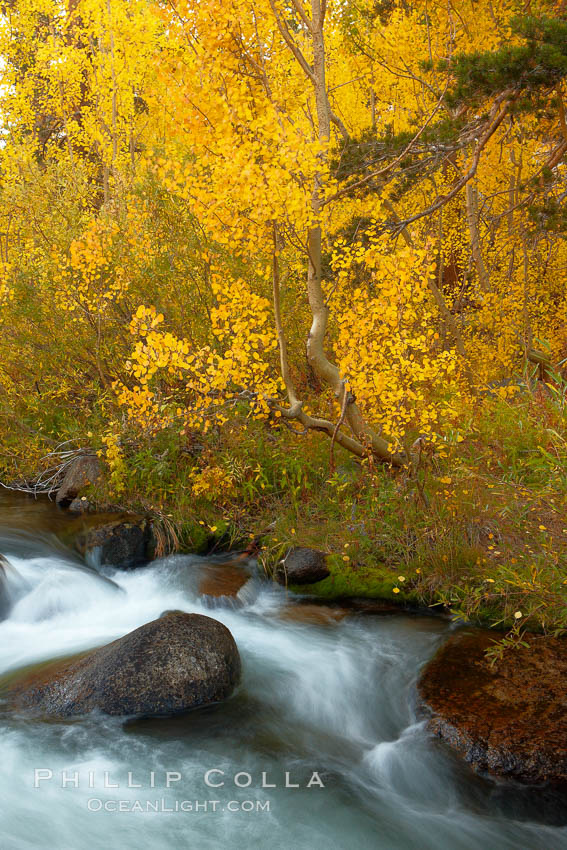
(336, 700)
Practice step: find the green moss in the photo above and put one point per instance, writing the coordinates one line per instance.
(354, 581)
(487, 542)
(195, 538)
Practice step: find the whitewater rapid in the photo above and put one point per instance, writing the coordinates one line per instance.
(335, 700)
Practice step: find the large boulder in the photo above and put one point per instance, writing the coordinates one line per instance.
(81, 472)
(507, 719)
(169, 666)
(302, 566)
(124, 541)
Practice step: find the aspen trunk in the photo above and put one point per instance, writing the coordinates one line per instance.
(471, 196)
(323, 368)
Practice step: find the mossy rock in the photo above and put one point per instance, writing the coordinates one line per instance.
(349, 581)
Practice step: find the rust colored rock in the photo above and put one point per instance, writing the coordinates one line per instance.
(80, 473)
(508, 720)
(302, 566)
(318, 615)
(169, 666)
(222, 580)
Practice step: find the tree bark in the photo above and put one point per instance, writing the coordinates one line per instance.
(471, 196)
(323, 368)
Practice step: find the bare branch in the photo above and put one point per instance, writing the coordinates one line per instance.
(562, 121)
(444, 199)
(338, 123)
(347, 399)
(284, 364)
(314, 423)
(302, 14)
(393, 164)
(288, 38)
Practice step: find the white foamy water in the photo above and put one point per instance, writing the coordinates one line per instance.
(334, 700)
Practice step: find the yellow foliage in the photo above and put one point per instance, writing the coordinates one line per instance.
(177, 234)
(113, 455)
(213, 482)
(388, 346)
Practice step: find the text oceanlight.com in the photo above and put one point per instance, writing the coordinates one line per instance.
(164, 806)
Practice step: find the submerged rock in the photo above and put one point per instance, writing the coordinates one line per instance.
(124, 542)
(169, 666)
(220, 580)
(80, 506)
(12, 587)
(5, 603)
(302, 566)
(80, 473)
(509, 719)
(317, 615)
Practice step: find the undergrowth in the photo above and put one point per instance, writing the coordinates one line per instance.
(479, 526)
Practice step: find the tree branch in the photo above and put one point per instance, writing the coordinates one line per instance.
(302, 14)
(393, 164)
(347, 399)
(288, 38)
(284, 363)
(444, 199)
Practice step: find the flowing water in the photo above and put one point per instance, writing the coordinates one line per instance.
(331, 704)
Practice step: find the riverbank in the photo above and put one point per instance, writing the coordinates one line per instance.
(498, 737)
(477, 527)
(335, 698)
